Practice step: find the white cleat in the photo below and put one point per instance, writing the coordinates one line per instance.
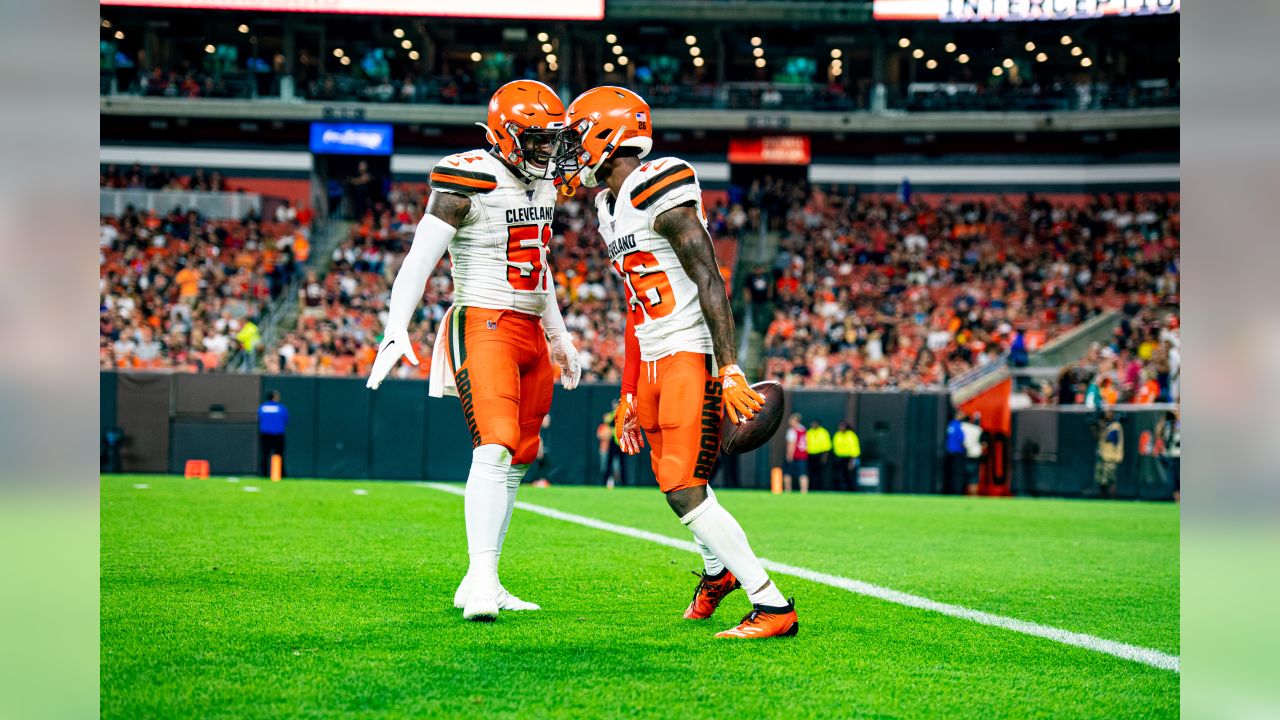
(481, 607)
(506, 601)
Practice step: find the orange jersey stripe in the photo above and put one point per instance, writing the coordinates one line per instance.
(657, 189)
(458, 180)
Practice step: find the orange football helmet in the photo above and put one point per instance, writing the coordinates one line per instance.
(524, 117)
(598, 123)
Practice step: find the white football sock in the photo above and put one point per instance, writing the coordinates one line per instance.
(716, 528)
(710, 563)
(485, 506)
(515, 474)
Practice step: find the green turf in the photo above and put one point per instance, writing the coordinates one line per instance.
(306, 600)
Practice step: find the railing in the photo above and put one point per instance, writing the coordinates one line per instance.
(919, 97)
(214, 205)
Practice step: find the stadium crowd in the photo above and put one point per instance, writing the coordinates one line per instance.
(180, 291)
(871, 292)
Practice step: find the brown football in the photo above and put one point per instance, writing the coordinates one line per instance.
(751, 434)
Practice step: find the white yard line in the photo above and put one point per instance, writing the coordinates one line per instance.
(1146, 656)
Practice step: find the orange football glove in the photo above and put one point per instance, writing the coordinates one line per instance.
(740, 401)
(626, 425)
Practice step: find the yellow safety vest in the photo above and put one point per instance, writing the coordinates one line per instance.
(818, 440)
(847, 445)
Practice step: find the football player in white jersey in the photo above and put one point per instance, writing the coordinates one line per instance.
(681, 365)
(492, 210)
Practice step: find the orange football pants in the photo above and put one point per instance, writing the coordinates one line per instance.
(504, 377)
(678, 405)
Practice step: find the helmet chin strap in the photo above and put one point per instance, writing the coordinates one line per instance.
(589, 178)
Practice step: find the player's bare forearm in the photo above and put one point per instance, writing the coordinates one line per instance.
(449, 207)
(682, 227)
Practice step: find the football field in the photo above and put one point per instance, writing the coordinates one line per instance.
(330, 599)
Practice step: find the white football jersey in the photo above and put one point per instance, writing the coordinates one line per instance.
(499, 253)
(672, 319)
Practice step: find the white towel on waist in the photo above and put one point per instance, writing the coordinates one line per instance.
(440, 380)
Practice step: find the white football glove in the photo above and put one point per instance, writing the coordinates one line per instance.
(394, 346)
(564, 354)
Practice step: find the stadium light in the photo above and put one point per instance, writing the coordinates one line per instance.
(337, 52)
(119, 34)
(553, 67)
(406, 44)
(997, 71)
(1041, 57)
(755, 41)
(551, 59)
(244, 29)
(931, 64)
(950, 47)
(1030, 46)
(546, 47)
(622, 60)
(917, 53)
(1085, 62)
(835, 53)
(475, 57)
(963, 58)
(413, 55)
(697, 62)
(608, 67)
(904, 43)
(398, 32)
(695, 51)
(1066, 40)
(1077, 51)
(611, 38)
(1008, 62)
(617, 49)
(690, 40)
(106, 24)
(209, 49)
(543, 37)
(345, 60)
(760, 62)
(836, 72)
(758, 52)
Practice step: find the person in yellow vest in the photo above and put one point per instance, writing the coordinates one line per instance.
(847, 451)
(819, 443)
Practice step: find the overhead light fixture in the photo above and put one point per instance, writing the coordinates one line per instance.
(119, 34)
(1077, 51)
(398, 32)
(209, 49)
(997, 71)
(1030, 46)
(917, 53)
(475, 57)
(1041, 57)
(931, 64)
(1066, 40)
(758, 52)
(760, 62)
(697, 62)
(106, 24)
(950, 47)
(553, 67)
(690, 40)
(755, 41)
(1085, 62)
(1008, 62)
(608, 67)
(904, 43)
(551, 59)
(622, 60)
(413, 55)
(611, 38)
(695, 51)
(835, 52)
(962, 58)
(345, 60)
(617, 49)
(543, 37)
(406, 44)
(244, 29)
(546, 47)
(337, 52)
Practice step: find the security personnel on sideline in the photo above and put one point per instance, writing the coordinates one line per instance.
(847, 451)
(273, 418)
(818, 440)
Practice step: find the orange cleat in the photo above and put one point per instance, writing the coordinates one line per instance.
(711, 590)
(764, 621)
